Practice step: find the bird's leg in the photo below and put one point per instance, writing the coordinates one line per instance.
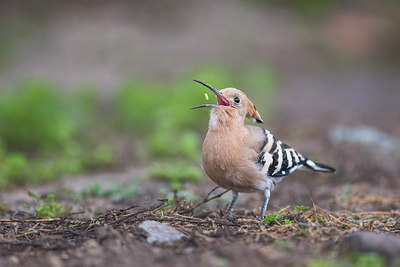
(234, 198)
(267, 194)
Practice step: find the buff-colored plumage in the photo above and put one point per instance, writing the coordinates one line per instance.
(229, 150)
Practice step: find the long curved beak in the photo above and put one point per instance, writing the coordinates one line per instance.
(221, 100)
(207, 106)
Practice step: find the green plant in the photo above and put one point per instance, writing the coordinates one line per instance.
(273, 218)
(46, 208)
(301, 208)
(287, 221)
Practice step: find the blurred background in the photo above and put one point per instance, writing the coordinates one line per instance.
(95, 95)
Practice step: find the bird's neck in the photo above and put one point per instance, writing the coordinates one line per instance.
(225, 139)
(225, 119)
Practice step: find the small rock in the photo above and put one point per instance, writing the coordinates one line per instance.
(54, 261)
(159, 232)
(101, 234)
(385, 244)
(91, 244)
(92, 248)
(13, 260)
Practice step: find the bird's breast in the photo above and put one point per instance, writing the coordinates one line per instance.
(225, 162)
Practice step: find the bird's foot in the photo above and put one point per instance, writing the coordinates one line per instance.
(228, 212)
(229, 217)
(260, 218)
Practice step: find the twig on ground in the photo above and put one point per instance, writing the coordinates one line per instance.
(128, 208)
(30, 220)
(205, 200)
(153, 208)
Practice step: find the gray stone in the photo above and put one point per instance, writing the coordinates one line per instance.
(159, 232)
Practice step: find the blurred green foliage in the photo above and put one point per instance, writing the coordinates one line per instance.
(13, 167)
(45, 133)
(35, 118)
(351, 259)
(310, 8)
(320, 9)
(176, 173)
(285, 244)
(113, 191)
(168, 142)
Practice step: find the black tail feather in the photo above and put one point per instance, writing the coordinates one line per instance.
(319, 167)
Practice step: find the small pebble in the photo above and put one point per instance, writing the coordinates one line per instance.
(13, 260)
(159, 232)
(54, 261)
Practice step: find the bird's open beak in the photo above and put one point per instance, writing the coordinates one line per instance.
(221, 100)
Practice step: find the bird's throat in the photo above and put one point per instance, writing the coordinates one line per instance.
(224, 118)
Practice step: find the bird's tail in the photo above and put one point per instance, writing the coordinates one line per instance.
(319, 167)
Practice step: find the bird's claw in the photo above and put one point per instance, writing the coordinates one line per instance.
(229, 217)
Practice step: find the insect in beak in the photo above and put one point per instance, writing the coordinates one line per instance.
(221, 100)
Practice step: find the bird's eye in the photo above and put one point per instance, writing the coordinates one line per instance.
(237, 100)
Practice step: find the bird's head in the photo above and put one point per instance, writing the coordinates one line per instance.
(231, 98)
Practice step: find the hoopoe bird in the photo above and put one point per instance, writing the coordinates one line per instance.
(246, 158)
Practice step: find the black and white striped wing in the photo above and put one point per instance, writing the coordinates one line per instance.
(278, 159)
